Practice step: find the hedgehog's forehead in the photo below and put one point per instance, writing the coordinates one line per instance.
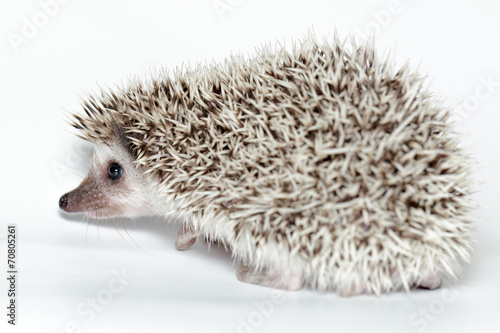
(110, 152)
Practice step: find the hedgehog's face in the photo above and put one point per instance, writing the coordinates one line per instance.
(114, 187)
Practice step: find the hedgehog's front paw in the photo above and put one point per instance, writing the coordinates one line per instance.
(286, 280)
(186, 237)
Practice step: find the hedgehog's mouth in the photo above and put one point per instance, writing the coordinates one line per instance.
(95, 213)
(98, 214)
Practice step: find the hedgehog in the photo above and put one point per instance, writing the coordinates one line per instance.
(320, 166)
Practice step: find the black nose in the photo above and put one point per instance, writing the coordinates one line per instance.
(63, 202)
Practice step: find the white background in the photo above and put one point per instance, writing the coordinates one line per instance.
(64, 262)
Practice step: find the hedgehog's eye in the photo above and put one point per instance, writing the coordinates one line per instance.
(115, 171)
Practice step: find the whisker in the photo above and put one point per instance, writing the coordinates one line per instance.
(98, 233)
(130, 236)
(144, 204)
(87, 230)
(133, 240)
(110, 220)
(84, 217)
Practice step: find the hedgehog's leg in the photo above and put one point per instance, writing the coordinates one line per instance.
(431, 281)
(352, 290)
(286, 280)
(186, 237)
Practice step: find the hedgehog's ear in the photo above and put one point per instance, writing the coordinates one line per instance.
(121, 136)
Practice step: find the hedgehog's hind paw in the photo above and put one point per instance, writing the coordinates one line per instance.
(431, 281)
(286, 280)
(353, 290)
(186, 237)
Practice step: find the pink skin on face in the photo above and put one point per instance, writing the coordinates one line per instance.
(114, 187)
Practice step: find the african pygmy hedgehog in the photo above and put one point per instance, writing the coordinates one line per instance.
(321, 166)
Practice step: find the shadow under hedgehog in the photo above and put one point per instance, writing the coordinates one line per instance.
(320, 166)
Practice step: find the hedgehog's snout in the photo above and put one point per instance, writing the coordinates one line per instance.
(86, 198)
(63, 202)
(68, 204)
